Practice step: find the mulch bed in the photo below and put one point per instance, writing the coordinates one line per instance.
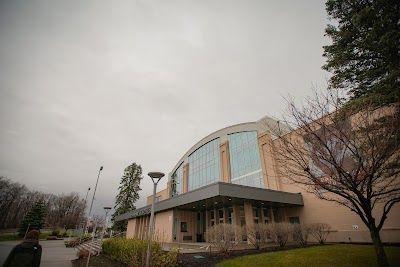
(212, 259)
(97, 261)
(188, 259)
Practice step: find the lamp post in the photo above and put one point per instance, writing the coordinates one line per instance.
(80, 236)
(90, 249)
(94, 193)
(106, 209)
(155, 177)
(87, 193)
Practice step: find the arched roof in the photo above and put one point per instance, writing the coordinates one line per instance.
(259, 126)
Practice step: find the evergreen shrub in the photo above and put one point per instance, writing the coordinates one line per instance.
(133, 252)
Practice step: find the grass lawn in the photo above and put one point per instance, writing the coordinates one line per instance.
(10, 237)
(330, 255)
(16, 237)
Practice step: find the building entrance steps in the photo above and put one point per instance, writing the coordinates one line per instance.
(94, 247)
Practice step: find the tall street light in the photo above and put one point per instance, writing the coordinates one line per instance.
(87, 196)
(94, 193)
(155, 177)
(106, 209)
(80, 236)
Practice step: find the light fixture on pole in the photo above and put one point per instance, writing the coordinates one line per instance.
(106, 209)
(80, 236)
(155, 177)
(87, 193)
(94, 193)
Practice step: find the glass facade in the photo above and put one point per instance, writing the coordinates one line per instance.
(245, 160)
(176, 181)
(204, 165)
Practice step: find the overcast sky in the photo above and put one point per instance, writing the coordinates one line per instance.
(85, 84)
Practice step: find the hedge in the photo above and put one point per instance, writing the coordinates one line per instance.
(133, 252)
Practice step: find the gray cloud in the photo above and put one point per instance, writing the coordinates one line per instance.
(85, 84)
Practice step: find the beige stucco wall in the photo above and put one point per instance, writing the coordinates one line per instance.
(163, 195)
(185, 174)
(224, 162)
(268, 164)
(130, 231)
(163, 223)
(190, 218)
(342, 219)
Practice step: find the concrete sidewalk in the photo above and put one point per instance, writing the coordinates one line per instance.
(54, 253)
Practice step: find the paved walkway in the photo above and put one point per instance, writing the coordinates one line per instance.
(54, 253)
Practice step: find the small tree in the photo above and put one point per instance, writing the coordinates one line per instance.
(280, 232)
(34, 218)
(301, 232)
(223, 236)
(258, 234)
(128, 194)
(320, 231)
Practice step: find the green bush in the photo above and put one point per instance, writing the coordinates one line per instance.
(10, 237)
(133, 252)
(43, 235)
(86, 236)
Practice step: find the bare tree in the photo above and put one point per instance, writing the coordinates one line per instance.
(301, 232)
(280, 232)
(67, 210)
(16, 200)
(258, 234)
(98, 222)
(320, 231)
(223, 236)
(11, 194)
(344, 154)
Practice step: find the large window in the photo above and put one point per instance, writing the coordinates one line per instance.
(204, 165)
(221, 215)
(230, 216)
(176, 181)
(245, 159)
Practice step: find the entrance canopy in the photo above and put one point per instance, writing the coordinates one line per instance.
(219, 195)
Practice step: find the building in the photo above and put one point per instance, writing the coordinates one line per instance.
(231, 176)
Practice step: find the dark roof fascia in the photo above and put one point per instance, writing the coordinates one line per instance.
(214, 190)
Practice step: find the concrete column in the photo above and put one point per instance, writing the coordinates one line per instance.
(208, 218)
(137, 232)
(224, 161)
(268, 163)
(236, 215)
(236, 221)
(169, 190)
(225, 215)
(248, 213)
(271, 213)
(185, 178)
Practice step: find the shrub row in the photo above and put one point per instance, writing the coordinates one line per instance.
(133, 252)
(226, 236)
(280, 233)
